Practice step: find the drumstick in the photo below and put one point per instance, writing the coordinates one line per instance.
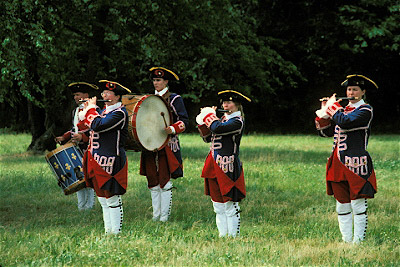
(165, 122)
(58, 142)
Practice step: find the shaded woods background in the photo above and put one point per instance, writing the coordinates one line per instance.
(285, 55)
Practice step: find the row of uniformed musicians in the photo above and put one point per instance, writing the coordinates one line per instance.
(105, 163)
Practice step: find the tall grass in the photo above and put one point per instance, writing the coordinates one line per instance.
(287, 219)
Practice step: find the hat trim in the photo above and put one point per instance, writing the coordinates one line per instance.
(362, 76)
(170, 71)
(232, 91)
(107, 81)
(91, 85)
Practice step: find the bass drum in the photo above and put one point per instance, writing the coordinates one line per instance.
(148, 117)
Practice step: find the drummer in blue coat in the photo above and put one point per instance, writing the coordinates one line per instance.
(161, 166)
(350, 175)
(223, 170)
(105, 161)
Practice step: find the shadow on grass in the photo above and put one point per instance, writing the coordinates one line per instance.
(263, 154)
(32, 208)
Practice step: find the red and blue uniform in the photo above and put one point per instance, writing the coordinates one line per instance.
(350, 161)
(105, 162)
(223, 170)
(162, 165)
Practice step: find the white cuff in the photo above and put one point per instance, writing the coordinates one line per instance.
(204, 112)
(321, 113)
(199, 119)
(81, 115)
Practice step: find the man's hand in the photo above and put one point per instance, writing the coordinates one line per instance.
(169, 130)
(59, 139)
(90, 101)
(76, 138)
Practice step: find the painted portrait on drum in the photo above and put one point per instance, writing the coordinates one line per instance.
(163, 164)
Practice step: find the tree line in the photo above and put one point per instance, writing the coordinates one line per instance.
(284, 55)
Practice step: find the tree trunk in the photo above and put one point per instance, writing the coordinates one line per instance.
(36, 119)
(46, 124)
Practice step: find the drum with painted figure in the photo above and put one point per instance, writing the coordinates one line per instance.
(148, 117)
(66, 163)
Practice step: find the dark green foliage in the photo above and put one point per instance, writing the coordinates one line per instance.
(284, 54)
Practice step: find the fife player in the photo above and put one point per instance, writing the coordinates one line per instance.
(350, 175)
(223, 171)
(105, 163)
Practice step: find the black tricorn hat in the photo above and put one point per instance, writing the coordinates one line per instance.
(160, 72)
(82, 87)
(114, 86)
(359, 80)
(231, 95)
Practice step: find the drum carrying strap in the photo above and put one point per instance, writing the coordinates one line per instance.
(166, 97)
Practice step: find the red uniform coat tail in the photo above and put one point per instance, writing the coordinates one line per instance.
(336, 171)
(96, 176)
(212, 170)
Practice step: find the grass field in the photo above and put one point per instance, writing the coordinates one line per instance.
(287, 218)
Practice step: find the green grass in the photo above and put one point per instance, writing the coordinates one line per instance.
(287, 218)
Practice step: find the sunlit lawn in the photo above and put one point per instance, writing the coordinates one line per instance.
(287, 218)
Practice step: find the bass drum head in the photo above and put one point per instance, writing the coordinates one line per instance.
(150, 124)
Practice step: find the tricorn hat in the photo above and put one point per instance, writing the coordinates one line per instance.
(359, 80)
(114, 86)
(231, 95)
(160, 72)
(82, 87)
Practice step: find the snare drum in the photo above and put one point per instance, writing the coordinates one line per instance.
(66, 163)
(148, 118)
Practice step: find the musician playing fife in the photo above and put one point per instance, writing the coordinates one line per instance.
(80, 136)
(223, 171)
(350, 175)
(105, 163)
(159, 167)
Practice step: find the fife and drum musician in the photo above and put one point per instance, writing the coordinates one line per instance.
(223, 170)
(105, 163)
(79, 134)
(350, 175)
(160, 166)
